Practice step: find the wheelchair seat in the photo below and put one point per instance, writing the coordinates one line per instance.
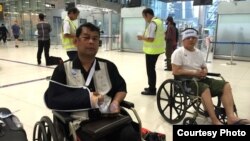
(96, 129)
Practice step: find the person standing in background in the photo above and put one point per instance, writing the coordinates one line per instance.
(16, 32)
(43, 30)
(177, 35)
(69, 31)
(153, 46)
(171, 43)
(3, 33)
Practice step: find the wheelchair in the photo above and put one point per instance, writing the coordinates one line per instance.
(175, 98)
(62, 127)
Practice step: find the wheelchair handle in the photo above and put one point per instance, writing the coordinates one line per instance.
(127, 104)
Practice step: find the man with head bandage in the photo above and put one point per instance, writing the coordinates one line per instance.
(189, 61)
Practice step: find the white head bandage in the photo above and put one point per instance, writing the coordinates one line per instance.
(189, 33)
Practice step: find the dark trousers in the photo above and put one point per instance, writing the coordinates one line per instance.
(169, 51)
(126, 133)
(43, 45)
(150, 65)
(72, 54)
(4, 38)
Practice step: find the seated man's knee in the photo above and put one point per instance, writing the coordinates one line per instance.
(206, 92)
(227, 86)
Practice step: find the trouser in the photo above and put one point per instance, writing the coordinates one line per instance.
(43, 45)
(150, 65)
(72, 54)
(4, 38)
(169, 51)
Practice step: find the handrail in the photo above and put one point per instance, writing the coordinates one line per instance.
(233, 43)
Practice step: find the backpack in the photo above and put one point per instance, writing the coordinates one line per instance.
(11, 128)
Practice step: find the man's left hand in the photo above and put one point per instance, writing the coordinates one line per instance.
(114, 107)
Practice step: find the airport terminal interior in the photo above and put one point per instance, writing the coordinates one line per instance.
(224, 41)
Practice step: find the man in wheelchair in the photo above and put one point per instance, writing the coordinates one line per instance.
(188, 61)
(104, 86)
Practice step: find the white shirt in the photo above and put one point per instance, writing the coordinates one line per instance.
(188, 59)
(66, 27)
(152, 28)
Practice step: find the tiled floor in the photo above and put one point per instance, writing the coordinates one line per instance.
(19, 65)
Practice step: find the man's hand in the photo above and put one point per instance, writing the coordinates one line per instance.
(201, 73)
(139, 37)
(114, 107)
(98, 97)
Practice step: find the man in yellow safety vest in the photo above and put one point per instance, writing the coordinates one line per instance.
(69, 31)
(153, 46)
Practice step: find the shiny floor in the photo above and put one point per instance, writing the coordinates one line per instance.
(22, 83)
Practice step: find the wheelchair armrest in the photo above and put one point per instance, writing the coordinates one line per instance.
(63, 116)
(127, 104)
(214, 74)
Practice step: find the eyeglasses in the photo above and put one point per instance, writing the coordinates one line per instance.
(87, 38)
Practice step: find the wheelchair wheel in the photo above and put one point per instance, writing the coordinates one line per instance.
(171, 101)
(200, 109)
(221, 114)
(189, 121)
(49, 127)
(39, 132)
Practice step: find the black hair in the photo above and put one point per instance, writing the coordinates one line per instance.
(191, 29)
(73, 10)
(90, 26)
(41, 16)
(170, 19)
(148, 11)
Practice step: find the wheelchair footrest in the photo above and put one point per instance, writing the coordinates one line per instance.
(104, 126)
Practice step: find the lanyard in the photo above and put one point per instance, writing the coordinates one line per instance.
(91, 73)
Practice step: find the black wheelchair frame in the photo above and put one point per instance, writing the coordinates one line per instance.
(46, 130)
(174, 99)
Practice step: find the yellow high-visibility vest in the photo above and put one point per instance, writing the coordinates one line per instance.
(158, 45)
(68, 43)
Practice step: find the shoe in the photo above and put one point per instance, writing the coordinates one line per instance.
(165, 59)
(39, 62)
(241, 122)
(148, 93)
(147, 89)
(16, 46)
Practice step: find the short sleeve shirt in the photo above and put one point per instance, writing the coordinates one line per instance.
(15, 29)
(188, 59)
(152, 28)
(66, 27)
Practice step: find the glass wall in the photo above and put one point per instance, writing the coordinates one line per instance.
(25, 12)
(184, 13)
